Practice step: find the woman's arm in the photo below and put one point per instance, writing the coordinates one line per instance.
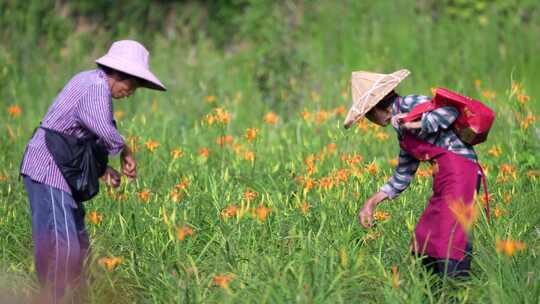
(94, 112)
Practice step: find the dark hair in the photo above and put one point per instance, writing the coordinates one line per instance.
(109, 71)
(387, 100)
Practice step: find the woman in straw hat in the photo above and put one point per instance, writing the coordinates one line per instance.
(439, 237)
(82, 108)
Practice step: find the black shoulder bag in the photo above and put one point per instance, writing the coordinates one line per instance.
(82, 161)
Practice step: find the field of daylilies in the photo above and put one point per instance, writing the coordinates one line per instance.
(248, 186)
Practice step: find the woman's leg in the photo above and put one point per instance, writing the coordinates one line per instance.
(56, 239)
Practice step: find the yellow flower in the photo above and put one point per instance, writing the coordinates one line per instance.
(110, 263)
(14, 111)
(223, 116)
(393, 162)
(183, 232)
(95, 218)
(509, 247)
(271, 118)
(151, 145)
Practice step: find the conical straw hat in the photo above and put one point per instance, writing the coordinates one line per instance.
(368, 89)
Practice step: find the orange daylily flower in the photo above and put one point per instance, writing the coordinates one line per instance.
(305, 115)
(305, 207)
(495, 151)
(225, 139)
(119, 115)
(95, 218)
(340, 111)
(210, 98)
(223, 116)
(223, 280)
(230, 211)
(251, 134)
(393, 162)
(381, 216)
(508, 170)
(363, 125)
(309, 184)
(183, 184)
(326, 183)
(373, 235)
(497, 212)
(210, 119)
(151, 145)
(144, 195)
(249, 156)
(110, 262)
(530, 119)
(204, 152)
(14, 111)
(487, 94)
(477, 84)
(177, 153)
(249, 195)
(372, 168)
(509, 247)
(184, 232)
(382, 136)
(331, 148)
(321, 117)
(262, 212)
(465, 214)
(175, 195)
(271, 118)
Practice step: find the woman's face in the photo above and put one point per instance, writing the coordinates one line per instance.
(381, 117)
(121, 88)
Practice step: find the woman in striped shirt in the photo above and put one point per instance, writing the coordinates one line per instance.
(82, 108)
(439, 238)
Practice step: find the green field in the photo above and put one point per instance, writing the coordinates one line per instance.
(218, 215)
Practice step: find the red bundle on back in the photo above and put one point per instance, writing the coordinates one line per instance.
(473, 122)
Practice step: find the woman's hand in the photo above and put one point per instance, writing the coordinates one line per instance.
(365, 215)
(129, 165)
(111, 177)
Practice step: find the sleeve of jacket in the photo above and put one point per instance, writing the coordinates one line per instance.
(439, 119)
(403, 174)
(95, 113)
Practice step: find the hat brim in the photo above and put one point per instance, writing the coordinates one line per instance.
(148, 79)
(356, 113)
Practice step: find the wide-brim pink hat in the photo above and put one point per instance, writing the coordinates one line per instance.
(131, 57)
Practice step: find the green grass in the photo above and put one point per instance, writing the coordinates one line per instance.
(319, 257)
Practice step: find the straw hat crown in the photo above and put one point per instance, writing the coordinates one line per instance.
(368, 89)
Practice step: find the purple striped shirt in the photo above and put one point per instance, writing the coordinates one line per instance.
(83, 106)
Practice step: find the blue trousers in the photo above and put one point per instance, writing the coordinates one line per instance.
(61, 242)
